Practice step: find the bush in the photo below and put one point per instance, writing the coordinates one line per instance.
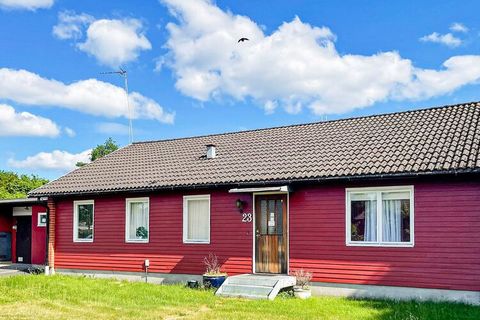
(303, 278)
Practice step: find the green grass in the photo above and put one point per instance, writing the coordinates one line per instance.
(63, 297)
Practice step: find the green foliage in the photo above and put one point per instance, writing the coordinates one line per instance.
(14, 186)
(80, 164)
(101, 150)
(142, 233)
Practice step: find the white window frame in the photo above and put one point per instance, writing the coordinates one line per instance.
(378, 191)
(39, 224)
(185, 219)
(128, 201)
(75, 220)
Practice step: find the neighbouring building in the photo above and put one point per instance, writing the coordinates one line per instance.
(23, 224)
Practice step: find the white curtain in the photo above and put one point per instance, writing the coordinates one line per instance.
(198, 220)
(370, 221)
(392, 220)
(138, 217)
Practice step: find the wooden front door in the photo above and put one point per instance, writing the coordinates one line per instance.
(271, 233)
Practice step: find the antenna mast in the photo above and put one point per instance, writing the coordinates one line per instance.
(124, 75)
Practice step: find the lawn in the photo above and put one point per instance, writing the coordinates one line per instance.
(63, 297)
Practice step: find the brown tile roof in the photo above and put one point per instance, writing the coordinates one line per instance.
(436, 140)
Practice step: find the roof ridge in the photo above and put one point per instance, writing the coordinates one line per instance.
(310, 123)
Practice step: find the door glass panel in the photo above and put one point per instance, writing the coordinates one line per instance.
(271, 217)
(263, 217)
(279, 216)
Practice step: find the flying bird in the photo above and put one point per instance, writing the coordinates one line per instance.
(243, 39)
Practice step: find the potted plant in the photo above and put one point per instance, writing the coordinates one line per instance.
(213, 277)
(141, 233)
(302, 289)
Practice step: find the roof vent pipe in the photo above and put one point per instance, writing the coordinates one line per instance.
(211, 151)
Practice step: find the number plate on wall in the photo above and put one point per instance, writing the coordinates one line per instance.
(247, 217)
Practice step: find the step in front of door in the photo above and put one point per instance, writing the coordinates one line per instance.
(235, 290)
(254, 280)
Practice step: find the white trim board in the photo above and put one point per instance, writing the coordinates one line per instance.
(21, 211)
(128, 201)
(75, 220)
(378, 191)
(39, 218)
(185, 218)
(254, 225)
(261, 189)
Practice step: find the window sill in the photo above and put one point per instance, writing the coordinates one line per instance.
(382, 244)
(136, 241)
(83, 241)
(196, 242)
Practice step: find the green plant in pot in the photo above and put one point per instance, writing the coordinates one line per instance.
(141, 233)
(302, 288)
(213, 277)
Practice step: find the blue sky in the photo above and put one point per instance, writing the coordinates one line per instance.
(306, 61)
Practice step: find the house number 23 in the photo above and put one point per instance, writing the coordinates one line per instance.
(247, 217)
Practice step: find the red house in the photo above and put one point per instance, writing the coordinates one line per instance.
(385, 205)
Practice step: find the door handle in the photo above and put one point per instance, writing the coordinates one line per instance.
(257, 234)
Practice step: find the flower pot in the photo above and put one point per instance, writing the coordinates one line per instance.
(192, 284)
(302, 293)
(213, 281)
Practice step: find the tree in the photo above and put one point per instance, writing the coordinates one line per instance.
(14, 186)
(101, 150)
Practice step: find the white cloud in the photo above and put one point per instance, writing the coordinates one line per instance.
(89, 96)
(294, 67)
(458, 27)
(31, 5)
(457, 71)
(115, 42)
(70, 25)
(70, 132)
(112, 128)
(447, 39)
(25, 124)
(55, 160)
(112, 42)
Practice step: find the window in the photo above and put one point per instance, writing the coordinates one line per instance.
(42, 219)
(137, 228)
(380, 216)
(83, 221)
(196, 219)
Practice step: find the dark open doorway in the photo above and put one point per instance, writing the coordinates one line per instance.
(24, 239)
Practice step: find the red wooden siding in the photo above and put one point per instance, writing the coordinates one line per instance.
(38, 237)
(447, 240)
(446, 252)
(230, 239)
(6, 225)
(5, 222)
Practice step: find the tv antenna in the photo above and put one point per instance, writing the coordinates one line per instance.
(124, 75)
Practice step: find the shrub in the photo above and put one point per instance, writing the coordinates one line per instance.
(303, 278)
(212, 266)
